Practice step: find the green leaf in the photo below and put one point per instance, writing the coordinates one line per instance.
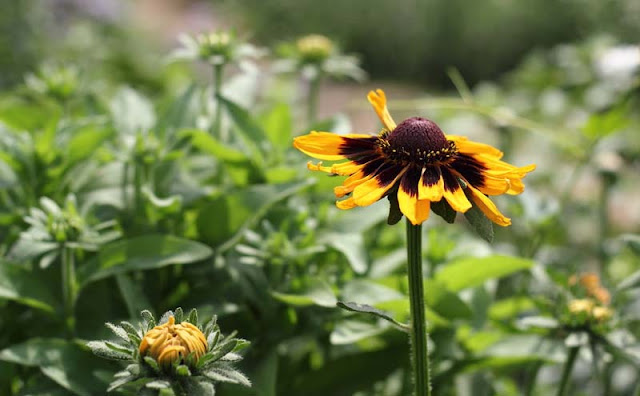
(527, 346)
(510, 307)
(141, 253)
(250, 131)
(222, 222)
(319, 293)
(131, 112)
(203, 141)
(369, 310)
(227, 374)
(600, 125)
(351, 245)
(65, 362)
(265, 376)
(350, 331)
(481, 224)
(474, 271)
(26, 287)
(84, 142)
(278, 125)
(444, 302)
(444, 210)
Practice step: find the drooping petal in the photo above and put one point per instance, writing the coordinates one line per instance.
(345, 204)
(417, 211)
(488, 207)
(329, 146)
(431, 185)
(351, 183)
(378, 100)
(453, 192)
(343, 169)
(376, 187)
(466, 146)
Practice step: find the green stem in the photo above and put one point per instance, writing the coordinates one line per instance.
(312, 99)
(603, 215)
(217, 88)
(419, 346)
(566, 371)
(69, 287)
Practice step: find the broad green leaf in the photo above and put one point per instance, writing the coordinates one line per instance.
(25, 287)
(251, 132)
(319, 293)
(509, 308)
(71, 366)
(474, 271)
(444, 302)
(203, 140)
(141, 253)
(350, 331)
(222, 221)
(400, 309)
(351, 245)
(600, 125)
(278, 125)
(131, 112)
(84, 142)
(527, 346)
(265, 376)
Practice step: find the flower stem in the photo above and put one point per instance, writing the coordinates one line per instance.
(68, 287)
(178, 389)
(217, 88)
(312, 99)
(566, 371)
(418, 335)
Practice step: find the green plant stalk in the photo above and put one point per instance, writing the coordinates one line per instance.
(312, 99)
(418, 333)
(69, 287)
(566, 371)
(603, 215)
(217, 89)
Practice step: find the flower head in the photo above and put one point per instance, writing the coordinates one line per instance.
(417, 163)
(170, 343)
(314, 48)
(590, 282)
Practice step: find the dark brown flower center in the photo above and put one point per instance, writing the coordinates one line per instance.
(418, 141)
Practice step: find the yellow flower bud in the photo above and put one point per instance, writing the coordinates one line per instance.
(170, 342)
(314, 48)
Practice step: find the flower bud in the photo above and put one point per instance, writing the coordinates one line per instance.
(171, 342)
(314, 48)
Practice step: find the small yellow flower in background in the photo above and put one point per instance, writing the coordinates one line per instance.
(171, 342)
(314, 48)
(582, 305)
(417, 162)
(601, 314)
(590, 281)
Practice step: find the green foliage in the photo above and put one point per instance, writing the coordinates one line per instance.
(121, 193)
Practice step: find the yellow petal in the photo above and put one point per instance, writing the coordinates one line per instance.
(488, 207)
(325, 145)
(453, 192)
(343, 169)
(493, 185)
(433, 192)
(345, 204)
(372, 190)
(466, 146)
(351, 183)
(417, 211)
(378, 100)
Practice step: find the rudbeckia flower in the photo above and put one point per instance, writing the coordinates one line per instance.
(418, 163)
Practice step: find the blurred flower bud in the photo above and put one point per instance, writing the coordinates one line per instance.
(314, 48)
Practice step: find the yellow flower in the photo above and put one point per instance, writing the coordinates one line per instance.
(416, 161)
(170, 342)
(601, 313)
(583, 305)
(314, 48)
(590, 281)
